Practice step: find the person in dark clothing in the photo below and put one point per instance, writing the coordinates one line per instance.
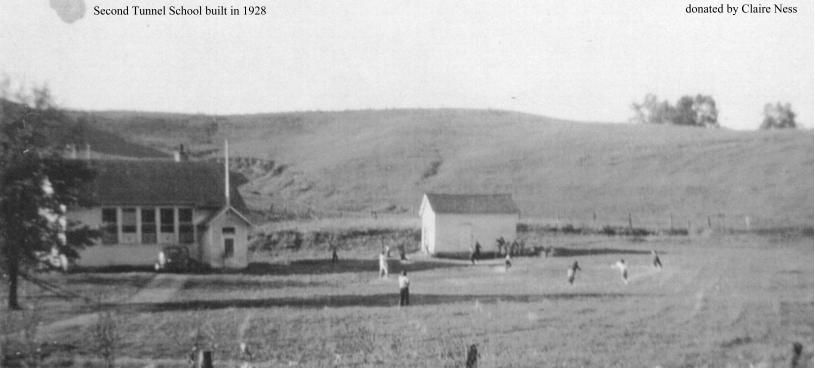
(657, 262)
(476, 254)
(402, 255)
(334, 257)
(572, 271)
(404, 292)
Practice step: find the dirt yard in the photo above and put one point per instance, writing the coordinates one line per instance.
(730, 301)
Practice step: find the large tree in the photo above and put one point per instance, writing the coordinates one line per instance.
(35, 184)
(778, 116)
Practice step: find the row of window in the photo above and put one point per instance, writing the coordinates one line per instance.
(147, 225)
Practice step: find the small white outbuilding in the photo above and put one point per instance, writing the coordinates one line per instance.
(453, 223)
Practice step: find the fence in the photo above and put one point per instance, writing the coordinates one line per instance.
(670, 223)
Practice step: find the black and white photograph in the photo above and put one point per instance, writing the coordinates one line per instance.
(406, 183)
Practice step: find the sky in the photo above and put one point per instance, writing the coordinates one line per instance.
(577, 60)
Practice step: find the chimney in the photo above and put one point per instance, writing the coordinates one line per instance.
(226, 171)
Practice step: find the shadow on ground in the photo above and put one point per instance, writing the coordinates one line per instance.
(322, 266)
(336, 301)
(572, 252)
(209, 284)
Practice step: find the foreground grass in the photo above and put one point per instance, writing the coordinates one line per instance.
(719, 301)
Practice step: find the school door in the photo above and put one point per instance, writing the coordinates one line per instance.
(228, 235)
(465, 236)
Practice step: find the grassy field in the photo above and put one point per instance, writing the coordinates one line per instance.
(720, 301)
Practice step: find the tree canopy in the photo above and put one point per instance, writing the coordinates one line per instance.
(36, 185)
(778, 116)
(699, 110)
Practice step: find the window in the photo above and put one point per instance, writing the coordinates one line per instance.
(148, 226)
(228, 231)
(110, 230)
(128, 220)
(229, 247)
(186, 232)
(167, 220)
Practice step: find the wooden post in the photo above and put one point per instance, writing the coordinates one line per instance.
(630, 223)
(708, 222)
(594, 219)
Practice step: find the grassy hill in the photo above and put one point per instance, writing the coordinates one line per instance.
(77, 128)
(384, 160)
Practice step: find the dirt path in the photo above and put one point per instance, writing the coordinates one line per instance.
(160, 289)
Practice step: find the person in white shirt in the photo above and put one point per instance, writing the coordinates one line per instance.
(623, 270)
(383, 265)
(404, 293)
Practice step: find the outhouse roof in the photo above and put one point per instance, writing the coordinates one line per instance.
(472, 203)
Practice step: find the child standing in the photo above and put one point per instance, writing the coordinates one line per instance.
(404, 292)
(383, 265)
(507, 262)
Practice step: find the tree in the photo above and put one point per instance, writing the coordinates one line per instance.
(778, 117)
(697, 111)
(35, 183)
(653, 111)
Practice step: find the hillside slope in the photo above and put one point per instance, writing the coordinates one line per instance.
(74, 128)
(385, 160)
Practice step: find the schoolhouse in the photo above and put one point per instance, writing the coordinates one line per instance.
(142, 206)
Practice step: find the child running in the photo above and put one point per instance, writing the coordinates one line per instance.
(572, 271)
(656, 261)
(623, 270)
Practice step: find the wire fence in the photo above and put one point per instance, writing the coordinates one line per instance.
(671, 224)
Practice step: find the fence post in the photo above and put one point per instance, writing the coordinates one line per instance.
(594, 219)
(708, 222)
(630, 223)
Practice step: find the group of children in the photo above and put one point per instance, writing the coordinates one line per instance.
(620, 265)
(404, 282)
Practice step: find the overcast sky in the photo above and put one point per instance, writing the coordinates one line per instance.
(578, 60)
